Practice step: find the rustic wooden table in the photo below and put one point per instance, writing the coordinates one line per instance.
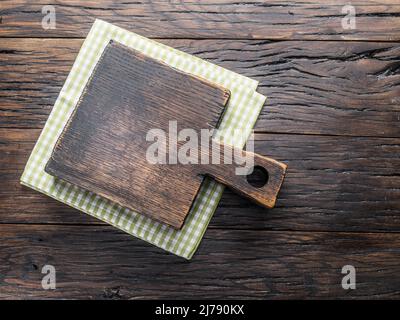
(332, 115)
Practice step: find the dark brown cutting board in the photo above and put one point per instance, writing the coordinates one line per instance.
(103, 146)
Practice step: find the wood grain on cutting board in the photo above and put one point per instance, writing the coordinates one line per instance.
(331, 114)
(103, 147)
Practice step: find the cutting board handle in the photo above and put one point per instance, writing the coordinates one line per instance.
(264, 195)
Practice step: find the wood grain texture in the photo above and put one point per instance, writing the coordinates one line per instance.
(273, 19)
(318, 87)
(333, 109)
(100, 262)
(104, 146)
(265, 174)
(343, 184)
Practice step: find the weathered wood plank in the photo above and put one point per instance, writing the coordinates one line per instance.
(276, 19)
(316, 87)
(332, 184)
(103, 146)
(99, 262)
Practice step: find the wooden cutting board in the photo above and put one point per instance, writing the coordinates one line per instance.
(103, 146)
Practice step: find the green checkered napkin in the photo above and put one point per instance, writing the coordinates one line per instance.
(242, 111)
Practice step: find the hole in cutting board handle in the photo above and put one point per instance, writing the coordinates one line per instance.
(261, 186)
(258, 178)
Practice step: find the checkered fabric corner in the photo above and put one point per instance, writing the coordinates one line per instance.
(242, 111)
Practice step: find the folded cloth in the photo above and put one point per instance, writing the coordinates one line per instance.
(241, 113)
